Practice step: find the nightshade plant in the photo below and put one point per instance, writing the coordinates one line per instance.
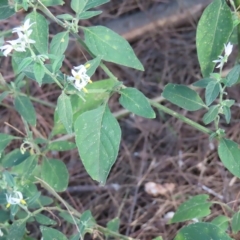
(82, 113)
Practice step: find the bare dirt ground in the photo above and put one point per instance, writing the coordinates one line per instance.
(163, 150)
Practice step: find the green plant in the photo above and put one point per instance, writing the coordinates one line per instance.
(87, 118)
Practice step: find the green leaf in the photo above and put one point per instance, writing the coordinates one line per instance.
(203, 82)
(65, 16)
(202, 231)
(94, 63)
(59, 43)
(212, 92)
(158, 238)
(49, 3)
(227, 113)
(94, 3)
(55, 173)
(68, 217)
(236, 222)
(133, 100)
(211, 114)
(78, 5)
(64, 109)
(39, 72)
(183, 97)
(98, 137)
(27, 167)
(111, 47)
(5, 10)
(24, 63)
(4, 216)
(213, 31)
(3, 96)
(24, 107)
(221, 221)
(57, 64)
(196, 207)
(14, 158)
(89, 14)
(51, 234)
(229, 153)
(61, 146)
(233, 76)
(5, 139)
(16, 230)
(114, 225)
(44, 220)
(40, 31)
(86, 222)
(8, 178)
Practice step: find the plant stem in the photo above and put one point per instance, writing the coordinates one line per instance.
(181, 117)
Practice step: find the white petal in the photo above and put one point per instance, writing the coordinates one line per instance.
(228, 49)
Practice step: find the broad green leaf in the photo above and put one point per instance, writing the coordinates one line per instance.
(183, 97)
(4, 216)
(227, 113)
(49, 3)
(212, 92)
(228, 102)
(98, 92)
(59, 43)
(24, 107)
(16, 230)
(114, 225)
(55, 173)
(94, 3)
(61, 146)
(39, 201)
(221, 221)
(5, 10)
(111, 47)
(14, 158)
(233, 76)
(51, 234)
(213, 31)
(26, 168)
(64, 109)
(5, 139)
(78, 5)
(25, 62)
(39, 72)
(57, 64)
(196, 207)
(203, 82)
(68, 217)
(89, 14)
(98, 137)
(211, 114)
(236, 222)
(135, 101)
(229, 153)
(44, 220)
(202, 231)
(40, 31)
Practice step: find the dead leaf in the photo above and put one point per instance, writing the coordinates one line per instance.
(156, 189)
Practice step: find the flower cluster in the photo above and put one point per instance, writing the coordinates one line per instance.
(23, 40)
(223, 59)
(14, 198)
(80, 77)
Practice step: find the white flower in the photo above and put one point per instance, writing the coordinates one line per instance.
(228, 49)
(24, 38)
(14, 44)
(1, 233)
(223, 59)
(24, 27)
(80, 77)
(14, 198)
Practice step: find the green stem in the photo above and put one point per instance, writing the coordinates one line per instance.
(181, 117)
